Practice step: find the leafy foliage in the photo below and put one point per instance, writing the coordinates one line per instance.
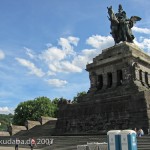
(41, 106)
(4, 121)
(79, 97)
(34, 109)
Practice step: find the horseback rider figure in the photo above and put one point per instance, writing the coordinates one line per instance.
(121, 25)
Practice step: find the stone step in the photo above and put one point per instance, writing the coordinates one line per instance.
(71, 142)
(39, 130)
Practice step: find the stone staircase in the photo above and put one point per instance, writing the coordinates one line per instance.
(46, 129)
(144, 142)
(71, 142)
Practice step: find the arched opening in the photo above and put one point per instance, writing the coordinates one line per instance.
(109, 79)
(140, 75)
(119, 77)
(100, 82)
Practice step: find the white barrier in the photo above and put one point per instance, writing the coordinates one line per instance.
(93, 146)
(82, 147)
(97, 146)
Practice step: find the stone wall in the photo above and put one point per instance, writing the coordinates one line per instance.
(4, 133)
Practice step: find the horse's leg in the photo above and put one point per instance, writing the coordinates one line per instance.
(113, 33)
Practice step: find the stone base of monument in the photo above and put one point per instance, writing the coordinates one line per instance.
(118, 97)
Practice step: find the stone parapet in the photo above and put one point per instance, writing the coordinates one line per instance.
(30, 124)
(13, 129)
(4, 133)
(44, 120)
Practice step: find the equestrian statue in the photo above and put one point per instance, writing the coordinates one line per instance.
(121, 25)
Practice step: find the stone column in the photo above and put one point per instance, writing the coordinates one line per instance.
(114, 79)
(93, 81)
(104, 81)
(137, 77)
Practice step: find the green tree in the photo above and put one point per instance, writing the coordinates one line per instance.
(55, 101)
(34, 109)
(79, 97)
(4, 121)
(58, 102)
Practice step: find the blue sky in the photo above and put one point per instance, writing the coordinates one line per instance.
(46, 44)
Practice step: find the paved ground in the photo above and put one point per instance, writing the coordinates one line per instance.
(12, 148)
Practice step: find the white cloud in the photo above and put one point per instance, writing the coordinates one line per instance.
(49, 45)
(68, 43)
(85, 57)
(52, 54)
(30, 53)
(144, 44)
(64, 66)
(100, 42)
(69, 67)
(50, 73)
(66, 59)
(57, 59)
(57, 82)
(6, 110)
(2, 55)
(73, 40)
(141, 30)
(33, 69)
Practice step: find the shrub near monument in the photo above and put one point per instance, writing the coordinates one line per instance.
(34, 109)
(4, 121)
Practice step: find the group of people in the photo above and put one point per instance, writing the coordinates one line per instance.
(139, 132)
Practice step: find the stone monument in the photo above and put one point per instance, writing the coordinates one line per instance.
(118, 97)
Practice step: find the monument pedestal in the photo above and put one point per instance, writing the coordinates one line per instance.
(119, 96)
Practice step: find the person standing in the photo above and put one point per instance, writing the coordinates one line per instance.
(32, 143)
(140, 132)
(17, 142)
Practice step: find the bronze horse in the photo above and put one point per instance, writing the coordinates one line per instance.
(114, 24)
(121, 28)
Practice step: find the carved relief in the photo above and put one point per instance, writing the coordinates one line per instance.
(97, 122)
